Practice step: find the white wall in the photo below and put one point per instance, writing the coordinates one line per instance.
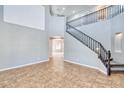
(117, 25)
(76, 52)
(25, 15)
(101, 31)
(56, 26)
(20, 45)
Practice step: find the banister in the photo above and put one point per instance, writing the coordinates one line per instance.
(97, 47)
(89, 12)
(98, 15)
(102, 14)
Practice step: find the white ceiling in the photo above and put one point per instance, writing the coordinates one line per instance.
(68, 10)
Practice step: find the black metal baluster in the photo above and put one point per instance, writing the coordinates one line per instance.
(99, 15)
(94, 17)
(109, 12)
(102, 14)
(122, 8)
(108, 15)
(87, 41)
(119, 9)
(90, 43)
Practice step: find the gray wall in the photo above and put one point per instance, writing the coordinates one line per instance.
(117, 25)
(21, 45)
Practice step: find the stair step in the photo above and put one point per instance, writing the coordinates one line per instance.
(117, 71)
(117, 65)
(117, 68)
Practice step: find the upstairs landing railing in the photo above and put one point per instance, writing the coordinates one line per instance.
(96, 16)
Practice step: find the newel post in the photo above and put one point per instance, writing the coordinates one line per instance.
(108, 64)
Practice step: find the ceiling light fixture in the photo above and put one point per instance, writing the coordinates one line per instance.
(63, 8)
(73, 11)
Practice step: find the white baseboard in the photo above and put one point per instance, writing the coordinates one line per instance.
(87, 66)
(20, 66)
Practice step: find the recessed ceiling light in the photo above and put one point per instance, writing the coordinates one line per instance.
(73, 11)
(63, 8)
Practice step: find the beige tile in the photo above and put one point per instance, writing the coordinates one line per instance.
(58, 74)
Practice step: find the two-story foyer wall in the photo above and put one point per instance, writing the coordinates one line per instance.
(21, 45)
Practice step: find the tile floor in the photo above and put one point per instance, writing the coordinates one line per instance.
(58, 74)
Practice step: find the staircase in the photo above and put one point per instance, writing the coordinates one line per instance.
(103, 54)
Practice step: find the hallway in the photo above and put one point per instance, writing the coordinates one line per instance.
(57, 73)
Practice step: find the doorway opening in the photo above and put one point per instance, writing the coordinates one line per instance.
(56, 46)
